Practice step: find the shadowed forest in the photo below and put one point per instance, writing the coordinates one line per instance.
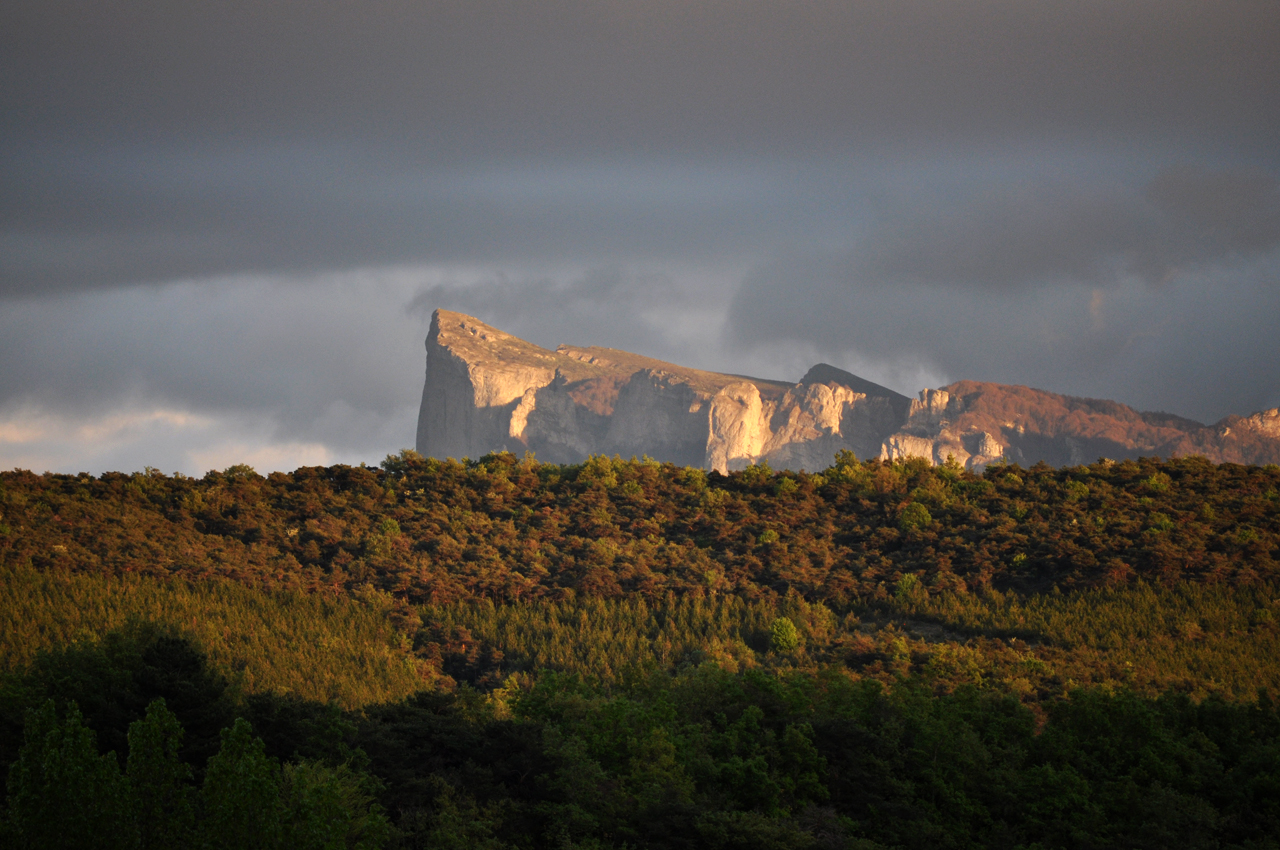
(503, 653)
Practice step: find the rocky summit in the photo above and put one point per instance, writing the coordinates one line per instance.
(487, 391)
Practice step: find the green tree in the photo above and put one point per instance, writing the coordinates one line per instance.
(783, 635)
(330, 808)
(241, 794)
(914, 515)
(458, 823)
(62, 793)
(159, 780)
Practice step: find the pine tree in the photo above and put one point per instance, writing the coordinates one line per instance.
(784, 636)
(330, 808)
(62, 793)
(160, 781)
(241, 794)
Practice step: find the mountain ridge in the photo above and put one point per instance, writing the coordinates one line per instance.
(487, 390)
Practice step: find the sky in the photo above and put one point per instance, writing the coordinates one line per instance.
(224, 226)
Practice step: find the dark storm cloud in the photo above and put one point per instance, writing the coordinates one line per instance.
(1163, 294)
(1077, 195)
(1014, 236)
(148, 141)
(294, 210)
(1205, 216)
(568, 77)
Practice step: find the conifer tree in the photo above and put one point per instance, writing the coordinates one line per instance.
(159, 780)
(784, 636)
(240, 799)
(330, 808)
(62, 793)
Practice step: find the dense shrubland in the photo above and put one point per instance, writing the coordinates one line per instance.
(508, 529)
(504, 653)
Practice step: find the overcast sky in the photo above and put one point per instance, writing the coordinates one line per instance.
(223, 226)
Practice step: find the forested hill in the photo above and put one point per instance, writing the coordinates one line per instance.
(624, 654)
(503, 528)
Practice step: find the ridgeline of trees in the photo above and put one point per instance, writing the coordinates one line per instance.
(508, 529)
(503, 653)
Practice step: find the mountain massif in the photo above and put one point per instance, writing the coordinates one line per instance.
(487, 390)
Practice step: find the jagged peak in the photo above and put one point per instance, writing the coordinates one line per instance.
(487, 389)
(448, 326)
(479, 343)
(825, 373)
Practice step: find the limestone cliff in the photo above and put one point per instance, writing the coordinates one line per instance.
(477, 376)
(486, 391)
(976, 423)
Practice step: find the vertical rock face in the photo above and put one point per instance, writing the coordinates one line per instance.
(487, 391)
(737, 428)
(476, 378)
(660, 415)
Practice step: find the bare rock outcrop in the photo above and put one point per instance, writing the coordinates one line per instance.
(738, 427)
(978, 423)
(487, 390)
(476, 378)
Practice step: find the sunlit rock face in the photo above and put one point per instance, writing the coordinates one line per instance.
(487, 391)
(477, 377)
(978, 423)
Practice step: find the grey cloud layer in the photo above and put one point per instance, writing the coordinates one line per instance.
(1201, 345)
(612, 307)
(148, 140)
(1058, 231)
(567, 77)
(1081, 196)
(302, 353)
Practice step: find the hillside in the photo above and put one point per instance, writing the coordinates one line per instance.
(508, 529)
(513, 654)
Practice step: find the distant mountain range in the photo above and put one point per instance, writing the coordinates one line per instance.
(487, 390)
